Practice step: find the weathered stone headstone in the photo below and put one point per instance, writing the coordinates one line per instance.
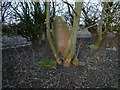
(14, 41)
(84, 33)
(111, 34)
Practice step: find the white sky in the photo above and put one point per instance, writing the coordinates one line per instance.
(60, 0)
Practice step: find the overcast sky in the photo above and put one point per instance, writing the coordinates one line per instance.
(61, 4)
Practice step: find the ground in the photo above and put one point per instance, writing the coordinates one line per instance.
(97, 69)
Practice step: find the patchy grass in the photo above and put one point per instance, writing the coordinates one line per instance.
(94, 47)
(47, 62)
(95, 58)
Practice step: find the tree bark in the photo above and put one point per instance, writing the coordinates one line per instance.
(71, 49)
(49, 37)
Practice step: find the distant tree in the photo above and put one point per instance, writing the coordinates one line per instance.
(32, 21)
(28, 17)
(107, 21)
(5, 6)
(91, 16)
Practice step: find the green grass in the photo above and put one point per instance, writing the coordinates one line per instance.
(93, 47)
(47, 62)
(95, 58)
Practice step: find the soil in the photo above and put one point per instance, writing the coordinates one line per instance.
(97, 69)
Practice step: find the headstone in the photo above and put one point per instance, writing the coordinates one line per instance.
(111, 34)
(112, 49)
(84, 33)
(14, 41)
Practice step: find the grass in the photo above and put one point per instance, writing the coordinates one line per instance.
(47, 62)
(95, 58)
(93, 47)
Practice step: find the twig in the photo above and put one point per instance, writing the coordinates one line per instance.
(70, 6)
(90, 26)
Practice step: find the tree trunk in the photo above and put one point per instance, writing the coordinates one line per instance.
(49, 37)
(71, 48)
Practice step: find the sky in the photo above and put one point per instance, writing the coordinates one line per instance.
(60, 0)
(59, 13)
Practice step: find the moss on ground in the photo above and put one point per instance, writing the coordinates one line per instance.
(47, 62)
